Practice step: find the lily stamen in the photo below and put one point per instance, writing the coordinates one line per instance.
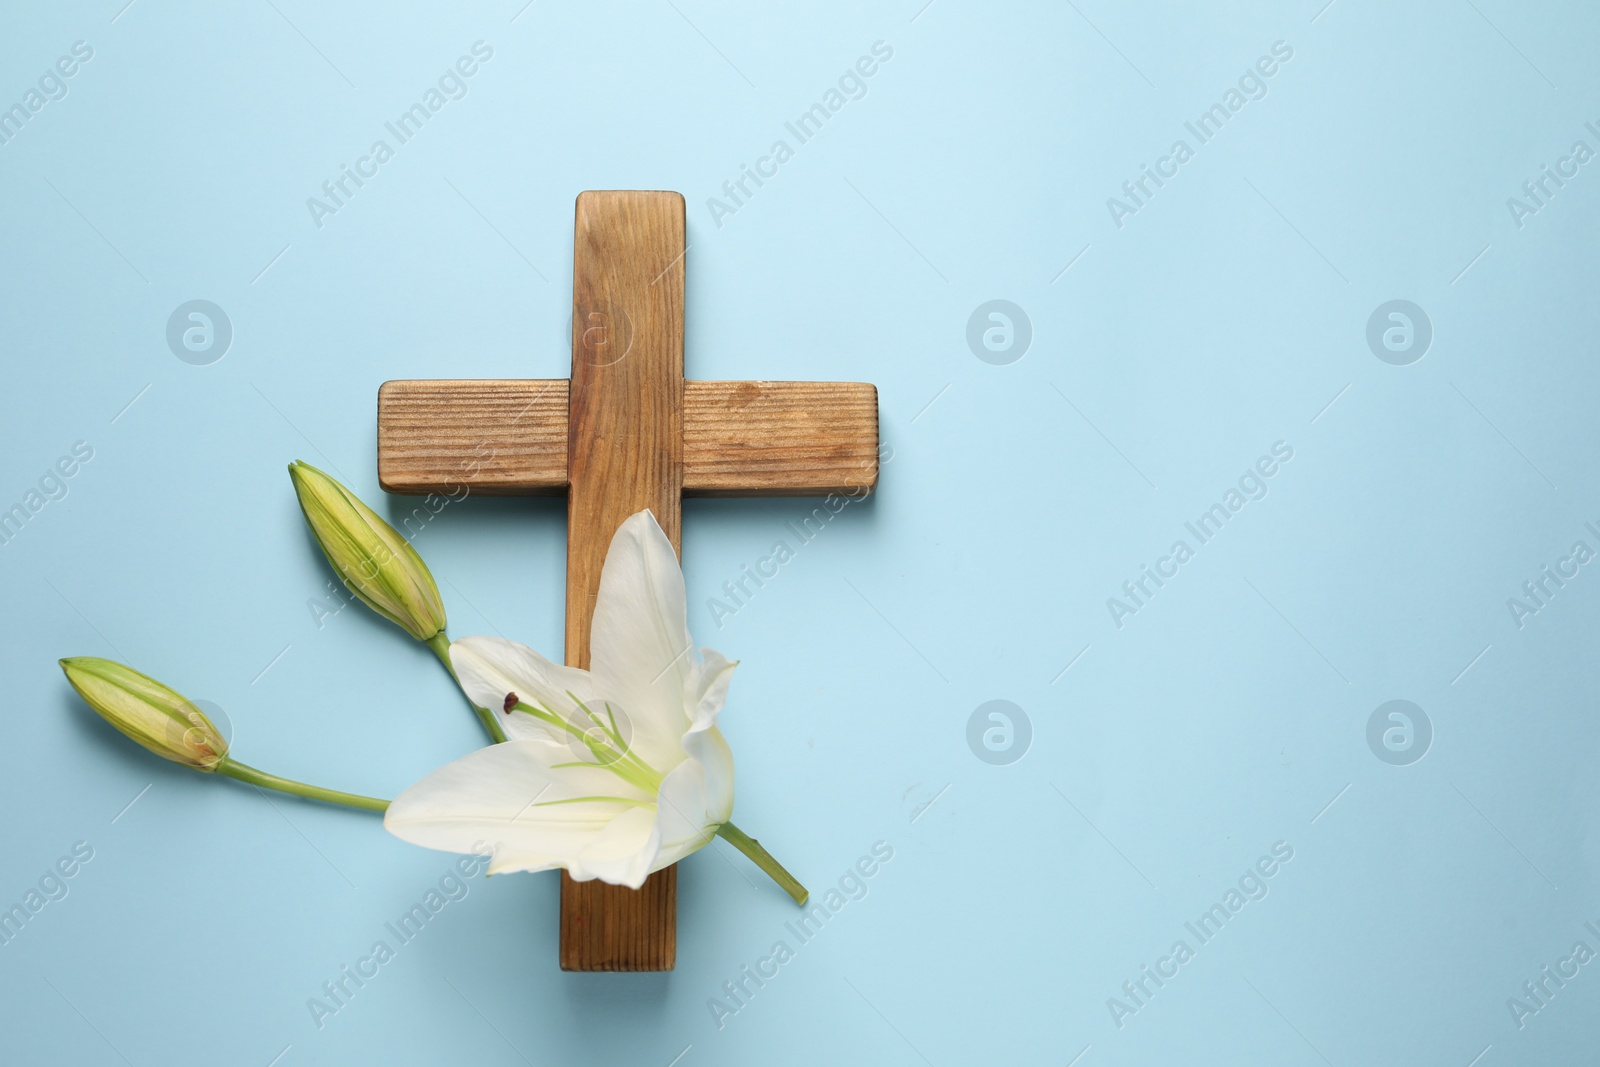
(619, 761)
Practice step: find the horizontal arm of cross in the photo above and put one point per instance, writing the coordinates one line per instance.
(509, 437)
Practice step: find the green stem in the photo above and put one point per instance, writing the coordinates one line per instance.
(763, 859)
(440, 643)
(245, 773)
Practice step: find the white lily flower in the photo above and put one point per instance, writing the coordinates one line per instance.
(613, 772)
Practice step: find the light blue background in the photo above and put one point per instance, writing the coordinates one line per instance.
(1225, 716)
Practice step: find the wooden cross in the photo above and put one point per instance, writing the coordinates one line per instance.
(627, 432)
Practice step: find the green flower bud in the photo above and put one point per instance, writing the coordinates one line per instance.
(377, 564)
(159, 719)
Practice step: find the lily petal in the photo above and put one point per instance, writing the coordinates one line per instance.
(533, 813)
(710, 749)
(640, 653)
(703, 743)
(696, 798)
(491, 667)
(706, 688)
(622, 853)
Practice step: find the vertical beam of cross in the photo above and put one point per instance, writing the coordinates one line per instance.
(624, 454)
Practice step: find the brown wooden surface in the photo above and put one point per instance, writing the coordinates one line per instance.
(779, 438)
(624, 454)
(627, 432)
(499, 436)
(739, 438)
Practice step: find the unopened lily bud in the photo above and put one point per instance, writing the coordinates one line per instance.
(158, 718)
(377, 564)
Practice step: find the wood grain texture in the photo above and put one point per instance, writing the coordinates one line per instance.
(779, 438)
(624, 454)
(739, 438)
(497, 436)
